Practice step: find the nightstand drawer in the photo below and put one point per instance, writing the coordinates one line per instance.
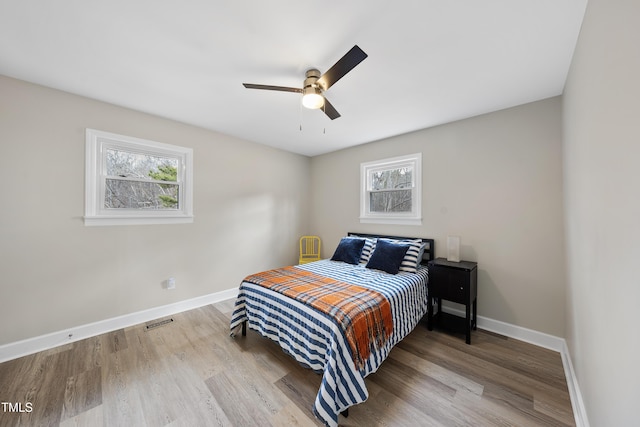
(450, 284)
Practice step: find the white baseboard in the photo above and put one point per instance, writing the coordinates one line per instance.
(512, 331)
(541, 340)
(579, 410)
(44, 342)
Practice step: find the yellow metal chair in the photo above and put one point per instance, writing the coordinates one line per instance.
(309, 249)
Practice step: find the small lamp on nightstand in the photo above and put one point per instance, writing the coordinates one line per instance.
(453, 248)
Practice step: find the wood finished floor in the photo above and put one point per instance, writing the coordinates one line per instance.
(191, 373)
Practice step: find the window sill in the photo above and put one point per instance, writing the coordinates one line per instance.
(385, 220)
(135, 220)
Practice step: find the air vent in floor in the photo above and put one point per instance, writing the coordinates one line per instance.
(158, 324)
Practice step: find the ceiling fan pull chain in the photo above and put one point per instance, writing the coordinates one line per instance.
(300, 115)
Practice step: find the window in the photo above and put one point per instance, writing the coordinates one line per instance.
(135, 181)
(390, 190)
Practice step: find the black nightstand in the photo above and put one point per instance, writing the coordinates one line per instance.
(457, 282)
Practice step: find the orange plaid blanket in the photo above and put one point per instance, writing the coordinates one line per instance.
(363, 314)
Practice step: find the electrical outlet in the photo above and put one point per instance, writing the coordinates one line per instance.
(171, 283)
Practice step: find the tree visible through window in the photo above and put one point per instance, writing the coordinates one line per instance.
(135, 181)
(390, 190)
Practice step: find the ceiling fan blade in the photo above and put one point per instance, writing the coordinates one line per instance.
(342, 67)
(268, 87)
(330, 110)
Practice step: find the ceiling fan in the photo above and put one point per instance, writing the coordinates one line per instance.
(315, 84)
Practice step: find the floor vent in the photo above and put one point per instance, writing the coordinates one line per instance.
(158, 324)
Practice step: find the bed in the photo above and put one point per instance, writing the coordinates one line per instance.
(382, 305)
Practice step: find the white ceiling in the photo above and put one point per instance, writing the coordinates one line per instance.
(430, 61)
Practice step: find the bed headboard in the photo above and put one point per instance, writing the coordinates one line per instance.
(429, 248)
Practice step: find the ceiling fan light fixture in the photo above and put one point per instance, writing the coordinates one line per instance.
(315, 84)
(312, 98)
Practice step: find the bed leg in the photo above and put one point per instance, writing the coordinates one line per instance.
(345, 413)
(244, 328)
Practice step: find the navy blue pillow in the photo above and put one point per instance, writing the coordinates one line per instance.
(348, 250)
(388, 256)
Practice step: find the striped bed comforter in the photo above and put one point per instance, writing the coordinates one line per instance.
(317, 341)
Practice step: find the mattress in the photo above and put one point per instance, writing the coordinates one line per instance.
(317, 342)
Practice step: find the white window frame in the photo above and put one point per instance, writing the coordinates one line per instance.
(405, 218)
(96, 144)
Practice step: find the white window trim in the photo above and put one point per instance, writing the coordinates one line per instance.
(95, 214)
(412, 218)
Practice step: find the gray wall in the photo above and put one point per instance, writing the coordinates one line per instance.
(250, 205)
(601, 118)
(496, 181)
